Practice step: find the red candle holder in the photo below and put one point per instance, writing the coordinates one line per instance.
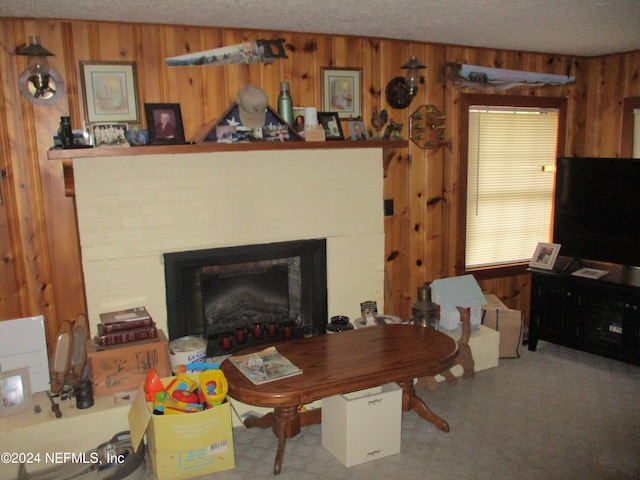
(258, 330)
(272, 329)
(225, 342)
(241, 335)
(287, 331)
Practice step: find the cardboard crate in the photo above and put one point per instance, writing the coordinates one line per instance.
(185, 445)
(508, 322)
(462, 291)
(124, 368)
(485, 346)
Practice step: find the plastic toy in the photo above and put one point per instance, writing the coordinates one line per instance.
(152, 385)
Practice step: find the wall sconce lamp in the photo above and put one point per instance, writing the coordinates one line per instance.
(39, 83)
(401, 90)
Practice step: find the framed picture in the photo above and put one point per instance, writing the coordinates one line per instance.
(164, 122)
(298, 120)
(15, 387)
(330, 121)
(109, 91)
(137, 137)
(341, 91)
(109, 135)
(357, 130)
(545, 255)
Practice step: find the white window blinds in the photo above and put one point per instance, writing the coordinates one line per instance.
(511, 166)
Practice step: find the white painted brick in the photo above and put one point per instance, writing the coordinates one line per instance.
(131, 210)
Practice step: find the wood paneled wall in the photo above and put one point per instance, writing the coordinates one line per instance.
(41, 271)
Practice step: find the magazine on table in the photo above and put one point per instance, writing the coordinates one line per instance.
(265, 366)
(590, 273)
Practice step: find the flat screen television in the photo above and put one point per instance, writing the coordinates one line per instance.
(597, 209)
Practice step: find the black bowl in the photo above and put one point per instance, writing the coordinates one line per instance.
(339, 320)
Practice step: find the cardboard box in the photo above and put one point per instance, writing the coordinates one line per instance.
(462, 291)
(450, 317)
(485, 347)
(185, 445)
(124, 368)
(508, 322)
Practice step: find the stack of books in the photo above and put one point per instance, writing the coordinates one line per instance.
(125, 326)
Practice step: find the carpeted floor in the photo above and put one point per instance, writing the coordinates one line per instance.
(552, 414)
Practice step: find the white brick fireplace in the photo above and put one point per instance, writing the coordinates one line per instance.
(134, 208)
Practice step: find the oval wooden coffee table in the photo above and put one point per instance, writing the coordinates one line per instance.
(342, 363)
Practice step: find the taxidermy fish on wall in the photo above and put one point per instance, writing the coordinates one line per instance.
(474, 76)
(260, 51)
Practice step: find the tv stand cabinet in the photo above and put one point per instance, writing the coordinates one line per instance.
(599, 316)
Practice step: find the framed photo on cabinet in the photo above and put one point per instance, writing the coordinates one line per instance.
(545, 255)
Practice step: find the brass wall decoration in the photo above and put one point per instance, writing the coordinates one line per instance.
(426, 127)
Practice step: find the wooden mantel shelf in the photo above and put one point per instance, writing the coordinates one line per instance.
(67, 155)
(62, 154)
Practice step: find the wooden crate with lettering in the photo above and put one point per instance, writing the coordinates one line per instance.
(124, 368)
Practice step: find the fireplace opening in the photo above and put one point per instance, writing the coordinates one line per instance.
(212, 293)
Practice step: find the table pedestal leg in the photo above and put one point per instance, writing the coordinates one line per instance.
(410, 401)
(285, 423)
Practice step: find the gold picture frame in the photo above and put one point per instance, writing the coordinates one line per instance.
(342, 91)
(109, 91)
(15, 389)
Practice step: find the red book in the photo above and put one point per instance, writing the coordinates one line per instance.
(126, 336)
(119, 326)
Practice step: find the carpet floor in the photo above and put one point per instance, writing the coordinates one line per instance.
(556, 413)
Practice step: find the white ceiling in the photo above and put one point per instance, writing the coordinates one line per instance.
(571, 27)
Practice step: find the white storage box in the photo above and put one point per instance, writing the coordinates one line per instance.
(362, 426)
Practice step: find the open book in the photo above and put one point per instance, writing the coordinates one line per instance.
(265, 366)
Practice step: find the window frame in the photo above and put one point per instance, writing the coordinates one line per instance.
(629, 104)
(471, 99)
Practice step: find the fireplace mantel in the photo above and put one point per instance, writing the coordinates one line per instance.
(67, 155)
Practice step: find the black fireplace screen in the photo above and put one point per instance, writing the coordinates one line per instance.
(213, 292)
(248, 293)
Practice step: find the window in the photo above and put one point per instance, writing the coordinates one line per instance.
(509, 160)
(636, 133)
(630, 140)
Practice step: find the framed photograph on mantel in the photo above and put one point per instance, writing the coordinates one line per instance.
(331, 124)
(109, 91)
(342, 91)
(545, 255)
(164, 122)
